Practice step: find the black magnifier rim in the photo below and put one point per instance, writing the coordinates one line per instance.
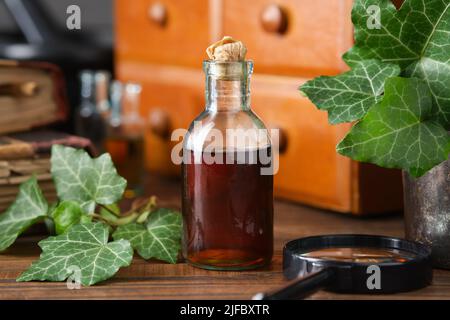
(351, 277)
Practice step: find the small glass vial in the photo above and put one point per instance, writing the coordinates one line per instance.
(88, 121)
(125, 134)
(227, 194)
(102, 84)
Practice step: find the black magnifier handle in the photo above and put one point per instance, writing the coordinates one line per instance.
(301, 287)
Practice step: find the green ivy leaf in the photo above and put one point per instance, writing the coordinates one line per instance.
(349, 96)
(83, 247)
(398, 132)
(159, 238)
(67, 214)
(416, 37)
(88, 181)
(29, 207)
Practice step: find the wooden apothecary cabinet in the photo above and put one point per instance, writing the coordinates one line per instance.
(161, 43)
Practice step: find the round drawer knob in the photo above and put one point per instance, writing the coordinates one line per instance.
(157, 12)
(159, 123)
(282, 142)
(274, 19)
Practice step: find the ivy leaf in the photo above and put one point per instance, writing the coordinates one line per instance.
(82, 248)
(397, 132)
(67, 214)
(88, 181)
(349, 96)
(29, 207)
(416, 37)
(159, 238)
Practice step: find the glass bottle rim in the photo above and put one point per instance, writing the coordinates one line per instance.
(228, 69)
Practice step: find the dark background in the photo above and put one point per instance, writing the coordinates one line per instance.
(73, 50)
(96, 16)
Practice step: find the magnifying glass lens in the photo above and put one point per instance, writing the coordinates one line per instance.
(346, 263)
(361, 255)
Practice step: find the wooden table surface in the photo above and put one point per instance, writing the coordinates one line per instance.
(154, 280)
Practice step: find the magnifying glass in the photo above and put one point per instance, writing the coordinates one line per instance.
(352, 264)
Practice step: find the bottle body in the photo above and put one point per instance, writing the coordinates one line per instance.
(228, 215)
(227, 194)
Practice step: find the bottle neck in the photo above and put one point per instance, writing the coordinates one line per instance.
(227, 95)
(131, 102)
(115, 118)
(102, 79)
(227, 85)
(87, 91)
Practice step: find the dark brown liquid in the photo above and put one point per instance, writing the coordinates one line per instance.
(228, 214)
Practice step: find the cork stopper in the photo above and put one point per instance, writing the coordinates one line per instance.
(227, 50)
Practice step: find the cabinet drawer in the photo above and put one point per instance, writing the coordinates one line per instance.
(301, 37)
(310, 170)
(162, 31)
(171, 98)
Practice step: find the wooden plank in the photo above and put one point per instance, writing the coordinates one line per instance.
(155, 280)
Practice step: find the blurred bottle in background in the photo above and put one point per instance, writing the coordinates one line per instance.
(102, 84)
(88, 121)
(125, 134)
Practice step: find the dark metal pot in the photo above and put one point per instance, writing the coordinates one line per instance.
(427, 211)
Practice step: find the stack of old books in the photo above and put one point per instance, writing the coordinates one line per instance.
(17, 164)
(32, 95)
(27, 154)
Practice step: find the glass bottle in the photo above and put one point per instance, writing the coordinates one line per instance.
(88, 121)
(227, 194)
(125, 134)
(102, 84)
